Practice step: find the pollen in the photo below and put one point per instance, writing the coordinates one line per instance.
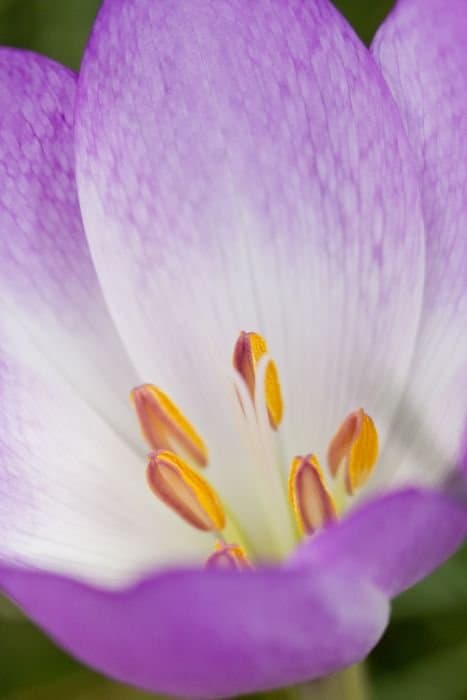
(355, 448)
(228, 556)
(311, 502)
(186, 492)
(249, 349)
(163, 425)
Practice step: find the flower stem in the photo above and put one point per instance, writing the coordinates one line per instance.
(350, 684)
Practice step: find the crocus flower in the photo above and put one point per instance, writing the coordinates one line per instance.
(273, 263)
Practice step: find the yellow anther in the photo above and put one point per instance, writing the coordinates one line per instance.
(356, 446)
(273, 395)
(228, 556)
(311, 502)
(164, 426)
(185, 491)
(248, 351)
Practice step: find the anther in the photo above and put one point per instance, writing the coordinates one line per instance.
(248, 351)
(185, 491)
(229, 557)
(311, 502)
(355, 446)
(163, 425)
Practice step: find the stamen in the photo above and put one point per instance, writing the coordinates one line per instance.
(248, 351)
(228, 556)
(185, 491)
(311, 502)
(164, 426)
(356, 445)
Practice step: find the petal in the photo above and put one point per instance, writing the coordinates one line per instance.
(72, 486)
(422, 49)
(241, 166)
(208, 633)
(48, 285)
(392, 541)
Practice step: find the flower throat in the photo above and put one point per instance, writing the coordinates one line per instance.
(179, 454)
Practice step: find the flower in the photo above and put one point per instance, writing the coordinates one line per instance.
(252, 182)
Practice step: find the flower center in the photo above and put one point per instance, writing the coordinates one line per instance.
(314, 499)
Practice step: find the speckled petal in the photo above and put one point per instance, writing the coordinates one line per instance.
(242, 166)
(422, 49)
(209, 634)
(72, 489)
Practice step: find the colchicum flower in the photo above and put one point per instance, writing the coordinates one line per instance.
(273, 264)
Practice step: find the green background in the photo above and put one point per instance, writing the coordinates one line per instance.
(424, 652)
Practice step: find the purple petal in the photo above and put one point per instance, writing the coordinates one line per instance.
(393, 541)
(72, 489)
(242, 166)
(48, 282)
(208, 633)
(422, 49)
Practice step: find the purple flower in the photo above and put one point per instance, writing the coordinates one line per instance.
(247, 171)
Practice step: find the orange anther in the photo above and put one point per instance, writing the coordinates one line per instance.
(355, 445)
(228, 556)
(311, 502)
(185, 491)
(248, 351)
(164, 426)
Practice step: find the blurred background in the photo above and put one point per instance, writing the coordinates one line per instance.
(424, 652)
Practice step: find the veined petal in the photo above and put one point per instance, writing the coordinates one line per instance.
(232, 632)
(422, 50)
(241, 165)
(48, 286)
(394, 540)
(72, 489)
